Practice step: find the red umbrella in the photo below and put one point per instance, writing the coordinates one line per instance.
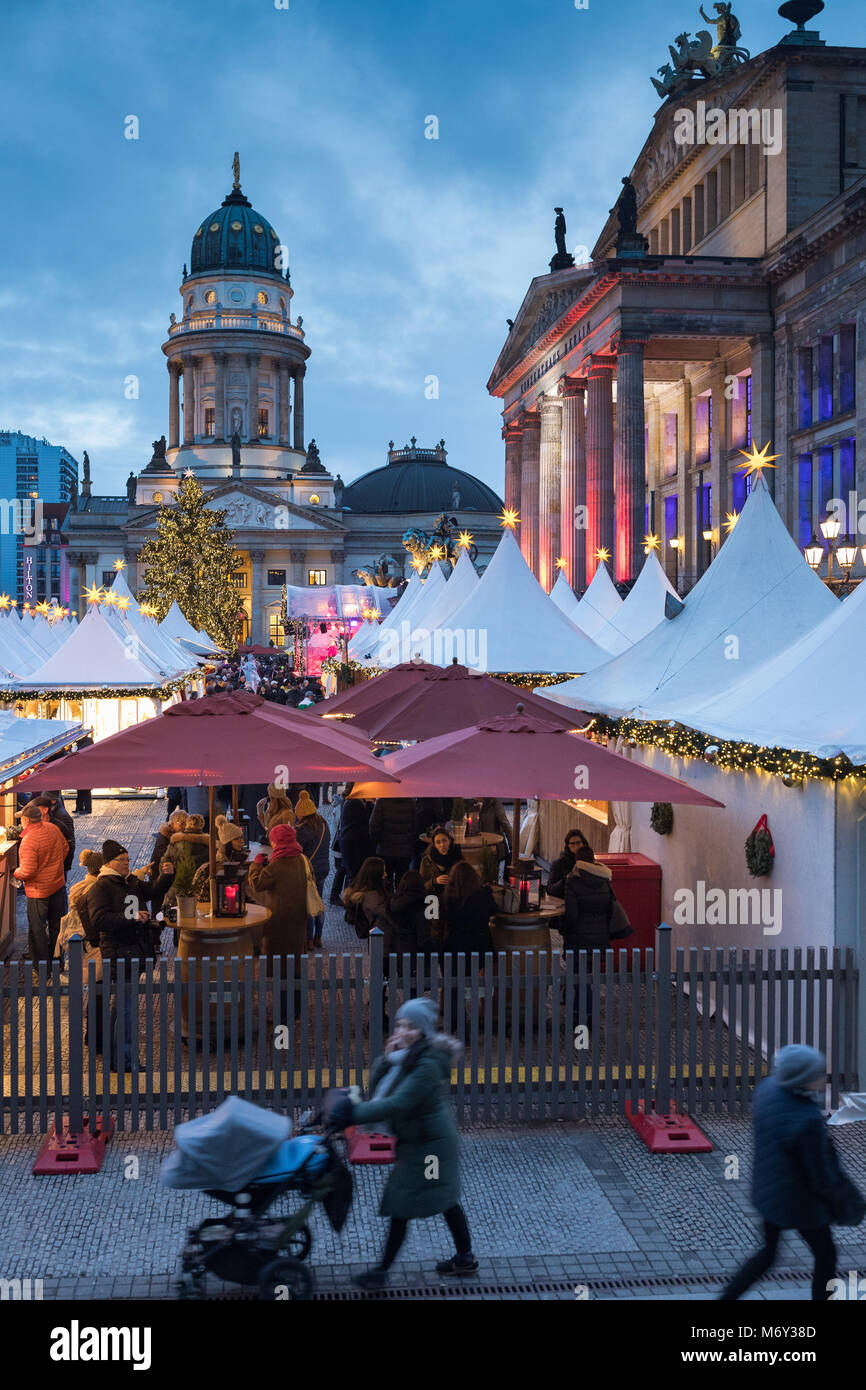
(233, 737)
(520, 755)
(455, 699)
(360, 698)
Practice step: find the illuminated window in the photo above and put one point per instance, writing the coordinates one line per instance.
(276, 577)
(275, 632)
(263, 424)
(262, 297)
(314, 497)
(209, 421)
(209, 297)
(317, 577)
(240, 580)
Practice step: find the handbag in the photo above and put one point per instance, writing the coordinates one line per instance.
(314, 901)
(620, 926)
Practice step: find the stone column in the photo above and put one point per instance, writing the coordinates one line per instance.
(572, 544)
(298, 556)
(299, 406)
(512, 433)
(549, 488)
(219, 397)
(283, 405)
(630, 474)
(599, 459)
(763, 398)
(257, 616)
(188, 399)
(174, 371)
(336, 567)
(253, 369)
(529, 460)
(73, 566)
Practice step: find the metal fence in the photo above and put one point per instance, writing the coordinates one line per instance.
(546, 1034)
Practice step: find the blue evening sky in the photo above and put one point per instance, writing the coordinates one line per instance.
(407, 254)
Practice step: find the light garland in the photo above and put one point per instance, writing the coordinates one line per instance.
(682, 742)
(11, 697)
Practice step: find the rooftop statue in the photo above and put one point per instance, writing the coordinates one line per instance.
(699, 56)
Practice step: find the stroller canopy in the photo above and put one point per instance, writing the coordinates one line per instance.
(226, 1148)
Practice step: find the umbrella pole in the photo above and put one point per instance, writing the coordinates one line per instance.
(515, 834)
(211, 810)
(235, 804)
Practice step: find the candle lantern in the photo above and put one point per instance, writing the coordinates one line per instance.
(526, 876)
(473, 819)
(231, 894)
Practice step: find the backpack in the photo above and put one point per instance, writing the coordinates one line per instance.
(357, 918)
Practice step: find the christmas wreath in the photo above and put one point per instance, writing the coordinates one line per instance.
(662, 817)
(760, 850)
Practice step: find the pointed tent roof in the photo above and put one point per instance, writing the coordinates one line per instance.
(644, 606)
(406, 600)
(757, 597)
(458, 587)
(95, 656)
(523, 631)
(599, 605)
(166, 651)
(565, 598)
(392, 630)
(788, 702)
(366, 637)
(176, 625)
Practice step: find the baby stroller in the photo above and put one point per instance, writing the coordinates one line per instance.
(244, 1156)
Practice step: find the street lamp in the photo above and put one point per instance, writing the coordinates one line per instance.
(830, 528)
(846, 554)
(814, 552)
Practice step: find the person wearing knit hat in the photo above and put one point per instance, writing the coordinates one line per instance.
(314, 837)
(227, 831)
(279, 883)
(275, 808)
(798, 1182)
(304, 806)
(410, 1097)
(112, 849)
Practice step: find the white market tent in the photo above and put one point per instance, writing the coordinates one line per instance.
(460, 584)
(757, 597)
(397, 614)
(177, 627)
(644, 606)
(161, 650)
(511, 625)
(598, 608)
(96, 656)
(403, 619)
(25, 742)
(565, 598)
(363, 640)
(808, 697)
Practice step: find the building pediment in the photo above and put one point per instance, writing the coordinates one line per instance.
(250, 508)
(550, 302)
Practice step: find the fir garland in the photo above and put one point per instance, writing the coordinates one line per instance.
(682, 742)
(12, 697)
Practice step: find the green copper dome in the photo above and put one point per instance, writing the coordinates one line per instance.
(236, 237)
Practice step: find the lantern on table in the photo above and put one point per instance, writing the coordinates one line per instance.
(526, 876)
(231, 891)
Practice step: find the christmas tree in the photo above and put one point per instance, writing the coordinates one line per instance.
(192, 559)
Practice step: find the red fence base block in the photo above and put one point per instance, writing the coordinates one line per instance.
(73, 1153)
(668, 1134)
(369, 1148)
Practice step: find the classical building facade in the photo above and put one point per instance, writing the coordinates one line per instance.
(729, 312)
(236, 363)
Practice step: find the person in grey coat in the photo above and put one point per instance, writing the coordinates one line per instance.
(797, 1180)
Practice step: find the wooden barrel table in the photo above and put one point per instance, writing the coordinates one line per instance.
(527, 932)
(208, 937)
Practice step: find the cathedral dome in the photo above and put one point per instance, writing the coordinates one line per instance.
(419, 480)
(234, 238)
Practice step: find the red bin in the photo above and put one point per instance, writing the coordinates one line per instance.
(637, 882)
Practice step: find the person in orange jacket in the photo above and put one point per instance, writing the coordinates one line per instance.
(41, 855)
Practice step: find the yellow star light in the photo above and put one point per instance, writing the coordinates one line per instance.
(756, 460)
(602, 553)
(93, 594)
(418, 564)
(509, 518)
(5, 601)
(562, 563)
(369, 614)
(42, 607)
(189, 473)
(119, 565)
(651, 542)
(109, 598)
(437, 552)
(731, 519)
(464, 540)
(122, 603)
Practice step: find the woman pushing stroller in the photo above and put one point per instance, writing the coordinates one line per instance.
(409, 1097)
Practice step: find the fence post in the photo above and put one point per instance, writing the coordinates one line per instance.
(74, 974)
(377, 991)
(663, 1015)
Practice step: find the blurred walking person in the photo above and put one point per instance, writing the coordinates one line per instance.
(798, 1182)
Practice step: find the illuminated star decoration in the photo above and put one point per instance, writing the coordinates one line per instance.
(602, 553)
(42, 607)
(464, 540)
(650, 542)
(731, 519)
(756, 460)
(122, 603)
(437, 552)
(562, 563)
(119, 565)
(189, 473)
(418, 564)
(509, 518)
(93, 594)
(109, 598)
(5, 601)
(370, 614)
(146, 610)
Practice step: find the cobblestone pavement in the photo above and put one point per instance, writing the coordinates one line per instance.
(551, 1207)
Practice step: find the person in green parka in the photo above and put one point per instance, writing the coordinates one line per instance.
(409, 1098)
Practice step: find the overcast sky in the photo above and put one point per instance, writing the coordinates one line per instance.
(407, 254)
